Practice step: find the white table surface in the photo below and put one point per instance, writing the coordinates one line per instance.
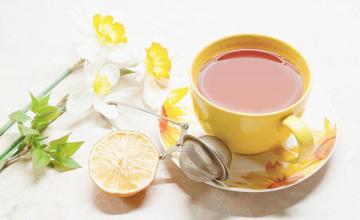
(37, 42)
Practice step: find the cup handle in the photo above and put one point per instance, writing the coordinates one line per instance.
(304, 138)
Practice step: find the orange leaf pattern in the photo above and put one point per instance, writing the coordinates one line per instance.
(276, 172)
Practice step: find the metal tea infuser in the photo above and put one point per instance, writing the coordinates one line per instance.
(202, 159)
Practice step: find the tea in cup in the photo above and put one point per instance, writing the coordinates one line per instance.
(251, 91)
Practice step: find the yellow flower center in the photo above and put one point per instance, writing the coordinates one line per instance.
(101, 84)
(108, 31)
(157, 61)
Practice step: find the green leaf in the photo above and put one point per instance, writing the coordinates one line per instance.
(34, 142)
(19, 116)
(61, 140)
(41, 126)
(47, 109)
(60, 154)
(71, 148)
(53, 145)
(39, 158)
(70, 164)
(44, 100)
(50, 117)
(41, 138)
(126, 71)
(37, 103)
(42, 121)
(25, 131)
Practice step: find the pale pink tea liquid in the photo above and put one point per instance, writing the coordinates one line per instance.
(250, 81)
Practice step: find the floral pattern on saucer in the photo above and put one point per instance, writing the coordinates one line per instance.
(279, 173)
(265, 172)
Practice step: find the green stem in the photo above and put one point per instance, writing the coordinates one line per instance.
(16, 144)
(77, 65)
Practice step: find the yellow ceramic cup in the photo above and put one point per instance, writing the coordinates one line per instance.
(247, 133)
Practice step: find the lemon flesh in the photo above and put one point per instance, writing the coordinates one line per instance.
(123, 163)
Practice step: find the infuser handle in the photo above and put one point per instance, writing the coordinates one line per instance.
(169, 151)
(183, 125)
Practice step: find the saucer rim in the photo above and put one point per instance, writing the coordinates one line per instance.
(248, 190)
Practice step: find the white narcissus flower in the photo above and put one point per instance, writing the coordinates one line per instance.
(101, 77)
(158, 66)
(107, 38)
(155, 79)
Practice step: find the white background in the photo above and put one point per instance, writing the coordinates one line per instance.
(38, 40)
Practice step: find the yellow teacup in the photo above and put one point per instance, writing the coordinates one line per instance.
(254, 133)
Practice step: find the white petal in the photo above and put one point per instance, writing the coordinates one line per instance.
(89, 50)
(123, 57)
(124, 95)
(112, 72)
(80, 101)
(91, 68)
(153, 94)
(134, 79)
(109, 111)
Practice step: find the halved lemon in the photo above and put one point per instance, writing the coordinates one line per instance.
(123, 163)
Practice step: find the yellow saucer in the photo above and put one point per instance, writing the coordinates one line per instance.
(261, 172)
